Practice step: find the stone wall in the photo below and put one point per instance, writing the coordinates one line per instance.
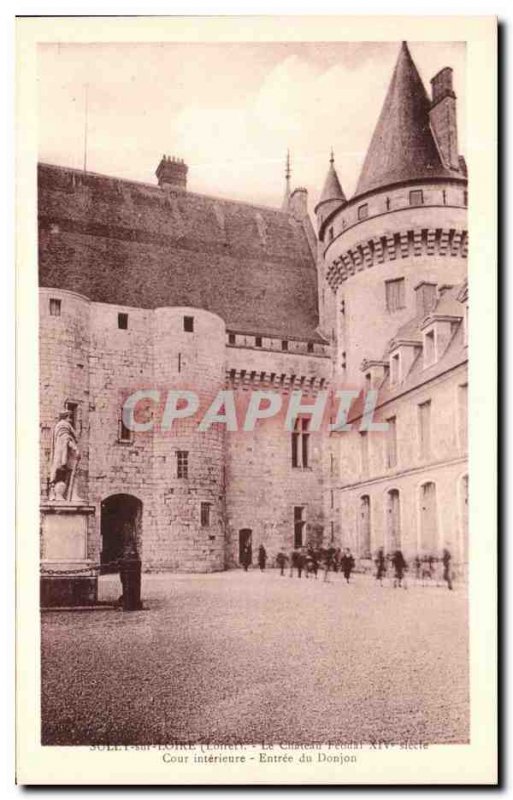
(246, 478)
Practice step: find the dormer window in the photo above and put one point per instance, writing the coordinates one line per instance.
(363, 211)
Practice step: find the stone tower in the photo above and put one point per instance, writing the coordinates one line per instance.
(384, 252)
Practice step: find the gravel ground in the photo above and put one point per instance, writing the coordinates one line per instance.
(257, 658)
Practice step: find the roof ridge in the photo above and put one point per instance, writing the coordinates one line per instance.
(158, 190)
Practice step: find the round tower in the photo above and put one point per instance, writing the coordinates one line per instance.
(189, 526)
(64, 336)
(405, 228)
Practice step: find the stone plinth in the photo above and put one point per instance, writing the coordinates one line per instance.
(69, 570)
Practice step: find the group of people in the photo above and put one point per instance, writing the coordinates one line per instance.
(307, 561)
(424, 567)
(310, 560)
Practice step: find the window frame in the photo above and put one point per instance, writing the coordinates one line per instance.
(182, 464)
(55, 304)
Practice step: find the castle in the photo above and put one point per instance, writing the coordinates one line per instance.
(155, 286)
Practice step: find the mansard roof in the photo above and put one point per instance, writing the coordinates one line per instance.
(134, 244)
(403, 147)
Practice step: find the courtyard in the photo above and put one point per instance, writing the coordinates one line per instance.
(252, 658)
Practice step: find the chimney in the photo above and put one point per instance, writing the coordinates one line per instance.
(443, 117)
(172, 173)
(426, 298)
(298, 204)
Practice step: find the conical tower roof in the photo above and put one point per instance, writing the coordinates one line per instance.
(402, 146)
(332, 189)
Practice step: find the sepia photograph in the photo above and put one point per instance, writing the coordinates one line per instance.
(253, 365)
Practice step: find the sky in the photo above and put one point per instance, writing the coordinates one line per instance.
(230, 110)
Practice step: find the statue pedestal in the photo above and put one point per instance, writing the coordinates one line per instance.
(69, 565)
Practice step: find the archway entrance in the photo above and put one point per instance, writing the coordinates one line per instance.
(245, 545)
(121, 522)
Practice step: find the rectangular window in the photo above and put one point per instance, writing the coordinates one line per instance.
(258, 341)
(463, 415)
(299, 526)
(416, 197)
(182, 463)
(364, 453)
(188, 324)
(123, 321)
(55, 307)
(425, 429)
(310, 347)
(300, 443)
(465, 198)
(394, 293)
(205, 515)
(231, 338)
(363, 211)
(125, 435)
(284, 345)
(391, 443)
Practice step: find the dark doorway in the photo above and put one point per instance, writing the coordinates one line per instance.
(245, 545)
(121, 518)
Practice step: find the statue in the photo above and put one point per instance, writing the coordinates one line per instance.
(65, 458)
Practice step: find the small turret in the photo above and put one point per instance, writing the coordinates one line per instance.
(172, 173)
(332, 196)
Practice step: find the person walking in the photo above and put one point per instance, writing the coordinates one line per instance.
(300, 563)
(347, 564)
(381, 566)
(246, 557)
(399, 565)
(262, 557)
(328, 562)
(293, 562)
(281, 560)
(446, 561)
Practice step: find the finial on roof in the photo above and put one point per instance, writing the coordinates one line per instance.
(286, 196)
(332, 157)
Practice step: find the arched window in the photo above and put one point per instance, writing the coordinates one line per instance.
(428, 518)
(393, 520)
(365, 526)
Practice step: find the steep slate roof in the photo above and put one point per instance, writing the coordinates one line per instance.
(332, 189)
(402, 146)
(134, 244)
